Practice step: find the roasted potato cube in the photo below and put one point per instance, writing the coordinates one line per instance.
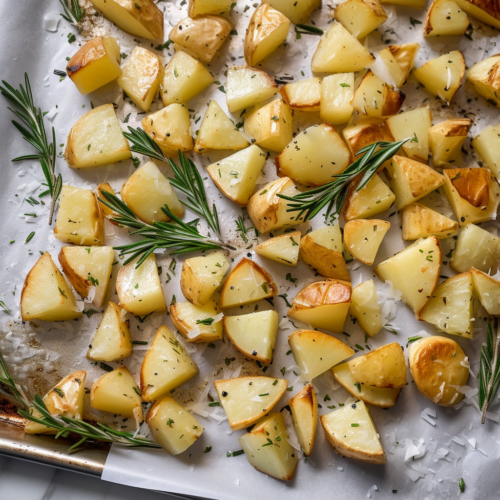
(420, 221)
(484, 76)
(283, 249)
(445, 18)
(337, 92)
(304, 94)
(487, 12)
(138, 17)
(304, 408)
(267, 30)
(363, 238)
(365, 308)
(314, 156)
(270, 126)
(487, 146)
(79, 219)
(184, 77)
(95, 64)
(442, 76)
(446, 141)
(96, 139)
(340, 52)
(139, 288)
(201, 7)
(487, 290)
(399, 60)
(414, 4)
(202, 36)
(297, 11)
(217, 131)
(360, 17)
(366, 132)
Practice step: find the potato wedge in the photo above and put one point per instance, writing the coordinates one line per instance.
(267, 30)
(364, 307)
(317, 352)
(201, 7)
(414, 4)
(145, 21)
(322, 250)
(297, 12)
(279, 461)
(95, 64)
(414, 271)
(487, 12)
(487, 146)
(201, 276)
(340, 52)
(254, 334)
(314, 156)
(420, 221)
(96, 139)
(445, 18)
(366, 132)
(304, 408)
(246, 283)
(351, 432)
(202, 36)
(484, 77)
(337, 92)
(304, 94)
(87, 267)
(139, 289)
(399, 60)
(360, 17)
(173, 427)
(363, 238)
(446, 141)
(283, 249)
(323, 304)
(487, 290)
(166, 366)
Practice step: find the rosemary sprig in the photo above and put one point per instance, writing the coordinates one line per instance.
(333, 195)
(489, 371)
(8, 386)
(73, 13)
(186, 178)
(308, 30)
(32, 129)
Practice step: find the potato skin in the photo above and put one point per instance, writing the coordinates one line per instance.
(79, 284)
(319, 293)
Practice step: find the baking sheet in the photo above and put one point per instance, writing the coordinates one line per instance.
(426, 455)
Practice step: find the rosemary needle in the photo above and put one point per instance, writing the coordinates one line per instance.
(489, 372)
(73, 13)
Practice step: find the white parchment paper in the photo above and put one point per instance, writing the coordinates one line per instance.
(428, 447)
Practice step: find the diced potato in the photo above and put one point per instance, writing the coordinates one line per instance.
(96, 139)
(141, 77)
(360, 17)
(363, 238)
(95, 64)
(487, 12)
(399, 60)
(364, 307)
(414, 4)
(337, 92)
(450, 307)
(166, 366)
(201, 276)
(65, 399)
(202, 36)
(317, 352)
(476, 248)
(446, 141)
(420, 221)
(445, 18)
(201, 7)
(184, 77)
(415, 125)
(217, 131)
(473, 194)
(372, 199)
(87, 267)
(340, 52)
(79, 219)
(107, 212)
(117, 392)
(267, 30)
(323, 304)
(412, 180)
(278, 460)
(247, 283)
(304, 94)
(322, 250)
(384, 367)
(141, 18)
(247, 399)
(487, 146)
(139, 289)
(414, 271)
(484, 77)
(487, 290)
(366, 132)
(170, 128)
(254, 334)
(173, 427)
(352, 433)
(270, 126)
(197, 324)
(236, 176)
(297, 11)
(442, 76)
(268, 211)
(112, 340)
(304, 408)
(314, 156)
(384, 398)
(283, 249)
(247, 87)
